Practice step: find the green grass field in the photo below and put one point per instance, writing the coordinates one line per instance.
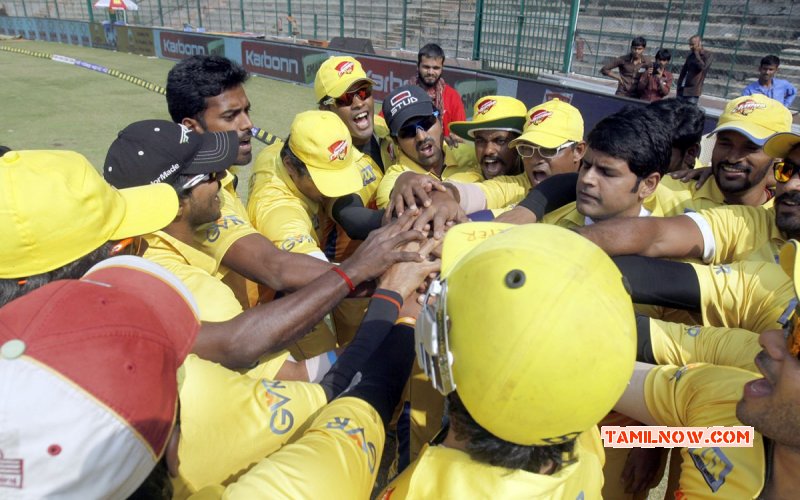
(51, 105)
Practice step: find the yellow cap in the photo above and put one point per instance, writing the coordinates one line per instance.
(779, 145)
(542, 331)
(755, 116)
(57, 208)
(321, 140)
(494, 112)
(551, 124)
(336, 75)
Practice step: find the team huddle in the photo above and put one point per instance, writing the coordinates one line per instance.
(486, 292)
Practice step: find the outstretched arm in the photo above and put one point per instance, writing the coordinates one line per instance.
(672, 237)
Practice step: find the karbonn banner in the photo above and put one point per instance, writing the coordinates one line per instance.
(284, 62)
(175, 45)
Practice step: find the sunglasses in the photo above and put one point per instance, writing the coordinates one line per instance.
(784, 170)
(193, 181)
(431, 339)
(528, 150)
(409, 130)
(348, 97)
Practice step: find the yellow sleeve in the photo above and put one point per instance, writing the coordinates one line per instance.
(738, 231)
(746, 294)
(215, 300)
(387, 184)
(215, 238)
(336, 458)
(678, 344)
(703, 395)
(566, 217)
(286, 223)
(230, 421)
(505, 190)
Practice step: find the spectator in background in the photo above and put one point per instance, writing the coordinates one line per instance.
(430, 64)
(656, 82)
(774, 88)
(693, 73)
(630, 68)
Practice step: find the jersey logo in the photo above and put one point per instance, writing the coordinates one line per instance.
(712, 464)
(747, 107)
(722, 269)
(485, 106)
(345, 68)
(368, 175)
(281, 419)
(539, 116)
(224, 222)
(292, 241)
(358, 436)
(11, 472)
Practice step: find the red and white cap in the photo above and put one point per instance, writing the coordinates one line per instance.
(88, 380)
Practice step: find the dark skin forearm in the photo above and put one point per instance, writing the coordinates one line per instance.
(257, 259)
(670, 237)
(267, 328)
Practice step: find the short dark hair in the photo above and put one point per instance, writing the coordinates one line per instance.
(637, 136)
(13, 288)
(687, 121)
(663, 55)
(430, 50)
(196, 78)
(4, 150)
(297, 163)
(639, 41)
(483, 446)
(770, 60)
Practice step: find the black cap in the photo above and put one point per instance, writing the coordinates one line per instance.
(405, 103)
(153, 151)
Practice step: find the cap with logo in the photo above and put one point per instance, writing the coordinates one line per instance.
(88, 379)
(59, 209)
(780, 144)
(336, 75)
(321, 140)
(405, 103)
(756, 117)
(551, 124)
(494, 112)
(154, 151)
(556, 366)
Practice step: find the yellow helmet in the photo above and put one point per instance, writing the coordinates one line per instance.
(534, 328)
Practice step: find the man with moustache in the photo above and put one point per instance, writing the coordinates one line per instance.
(446, 99)
(417, 132)
(496, 122)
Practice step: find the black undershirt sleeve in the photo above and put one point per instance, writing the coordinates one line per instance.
(356, 220)
(554, 192)
(385, 374)
(377, 323)
(644, 346)
(660, 282)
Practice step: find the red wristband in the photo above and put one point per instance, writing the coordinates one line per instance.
(345, 277)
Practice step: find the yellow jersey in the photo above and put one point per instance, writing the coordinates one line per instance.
(703, 395)
(441, 472)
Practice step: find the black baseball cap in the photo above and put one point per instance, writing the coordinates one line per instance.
(153, 151)
(406, 102)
